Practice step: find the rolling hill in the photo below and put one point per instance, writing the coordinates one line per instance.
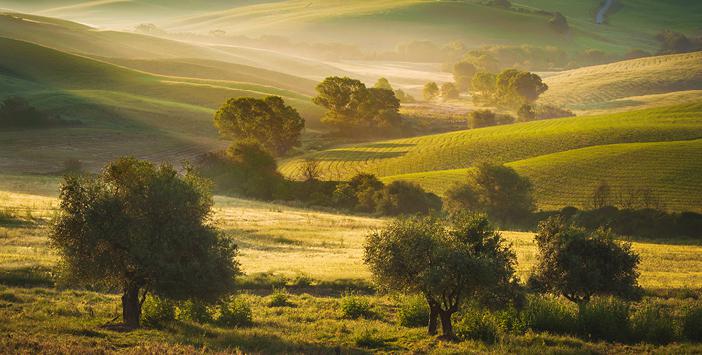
(558, 150)
(630, 24)
(124, 112)
(627, 84)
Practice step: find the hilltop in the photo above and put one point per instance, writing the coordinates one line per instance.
(628, 84)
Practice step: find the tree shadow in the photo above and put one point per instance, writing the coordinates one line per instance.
(357, 155)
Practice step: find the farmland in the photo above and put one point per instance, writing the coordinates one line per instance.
(559, 150)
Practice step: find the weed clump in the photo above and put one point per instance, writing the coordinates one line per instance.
(354, 306)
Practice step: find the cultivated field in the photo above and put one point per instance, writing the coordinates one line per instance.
(565, 157)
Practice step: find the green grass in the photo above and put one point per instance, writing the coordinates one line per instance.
(628, 84)
(428, 157)
(671, 169)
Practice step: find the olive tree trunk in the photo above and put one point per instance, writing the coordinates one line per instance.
(131, 307)
(446, 326)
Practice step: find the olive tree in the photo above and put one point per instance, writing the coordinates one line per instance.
(446, 261)
(579, 264)
(268, 121)
(143, 229)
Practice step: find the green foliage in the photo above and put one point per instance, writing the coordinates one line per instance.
(430, 91)
(279, 298)
(449, 91)
(652, 323)
(510, 319)
(463, 73)
(559, 23)
(137, 226)
(496, 190)
(401, 197)
(353, 306)
(193, 311)
(526, 113)
(268, 121)
(605, 319)
(578, 264)
(353, 108)
(383, 83)
(404, 97)
(483, 87)
(692, 324)
(447, 261)
(549, 315)
(515, 87)
(413, 311)
(156, 311)
(476, 324)
(235, 312)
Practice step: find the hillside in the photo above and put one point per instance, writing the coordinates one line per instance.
(123, 111)
(426, 159)
(444, 21)
(626, 84)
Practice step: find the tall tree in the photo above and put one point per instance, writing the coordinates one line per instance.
(515, 87)
(143, 229)
(449, 91)
(351, 107)
(447, 262)
(268, 121)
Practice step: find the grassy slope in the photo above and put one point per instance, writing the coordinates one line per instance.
(631, 25)
(122, 109)
(71, 37)
(627, 83)
(426, 159)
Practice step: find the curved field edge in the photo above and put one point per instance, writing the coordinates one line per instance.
(670, 169)
(503, 144)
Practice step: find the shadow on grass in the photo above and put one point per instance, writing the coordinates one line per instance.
(246, 340)
(357, 155)
(27, 277)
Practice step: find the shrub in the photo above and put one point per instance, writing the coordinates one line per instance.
(402, 197)
(692, 324)
(279, 298)
(354, 306)
(414, 311)
(510, 320)
(156, 311)
(194, 311)
(235, 312)
(478, 325)
(549, 315)
(368, 338)
(604, 319)
(652, 323)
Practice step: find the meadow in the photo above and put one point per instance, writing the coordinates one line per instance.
(317, 255)
(565, 157)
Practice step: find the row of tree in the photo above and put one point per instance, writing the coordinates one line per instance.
(462, 259)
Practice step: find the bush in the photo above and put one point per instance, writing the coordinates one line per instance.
(549, 315)
(156, 311)
(604, 319)
(510, 320)
(354, 306)
(480, 325)
(692, 324)
(414, 312)
(193, 311)
(402, 197)
(279, 298)
(652, 323)
(235, 313)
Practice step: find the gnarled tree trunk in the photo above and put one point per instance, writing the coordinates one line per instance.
(433, 317)
(446, 326)
(131, 307)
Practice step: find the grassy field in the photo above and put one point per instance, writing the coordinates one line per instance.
(552, 150)
(628, 84)
(323, 248)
